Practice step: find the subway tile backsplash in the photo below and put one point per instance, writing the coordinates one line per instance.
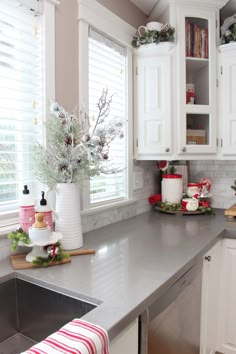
(141, 204)
(222, 175)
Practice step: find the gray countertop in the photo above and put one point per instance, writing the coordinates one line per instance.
(136, 261)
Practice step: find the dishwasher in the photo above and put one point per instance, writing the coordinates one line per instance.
(171, 325)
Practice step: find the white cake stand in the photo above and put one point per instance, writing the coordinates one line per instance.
(38, 247)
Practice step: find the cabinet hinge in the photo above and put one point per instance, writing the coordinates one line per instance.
(221, 70)
(216, 23)
(136, 70)
(136, 142)
(221, 142)
(217, 142)
(217, 83)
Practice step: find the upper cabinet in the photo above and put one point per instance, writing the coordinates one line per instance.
(196, 65)
(152, 101)
(175, 92)
(227, 101)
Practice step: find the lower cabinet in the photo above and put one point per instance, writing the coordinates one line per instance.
(227, 299)
(218, 314)
(127, 341)
(210, 286)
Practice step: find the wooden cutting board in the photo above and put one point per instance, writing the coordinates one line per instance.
(18, 260)
(231, 212)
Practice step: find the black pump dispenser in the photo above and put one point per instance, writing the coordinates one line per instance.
(43, 200)
(25, 190)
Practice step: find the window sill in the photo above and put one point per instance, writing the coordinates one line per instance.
(111, 206)
(4, 230)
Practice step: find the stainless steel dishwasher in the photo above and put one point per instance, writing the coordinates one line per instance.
(171, 325)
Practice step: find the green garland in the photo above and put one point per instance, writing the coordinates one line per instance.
(45, 261)
(18, 236)
(154, 37)
(178, 206)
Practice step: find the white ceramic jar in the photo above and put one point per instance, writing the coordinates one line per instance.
(171, 188)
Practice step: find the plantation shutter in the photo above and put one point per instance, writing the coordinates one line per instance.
(20, 95)
(107, 70)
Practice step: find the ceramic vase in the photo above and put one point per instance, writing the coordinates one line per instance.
(67, 215)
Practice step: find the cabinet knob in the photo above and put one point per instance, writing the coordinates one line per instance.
(184, 149)
(208, 258)
(167, 149)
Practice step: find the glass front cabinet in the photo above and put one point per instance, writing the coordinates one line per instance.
(197, 81)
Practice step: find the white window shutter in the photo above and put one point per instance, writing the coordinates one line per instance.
(107, 70)
(20, 97)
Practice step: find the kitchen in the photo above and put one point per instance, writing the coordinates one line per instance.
(220, 170)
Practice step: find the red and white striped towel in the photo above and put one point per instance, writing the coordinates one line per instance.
(76, 337)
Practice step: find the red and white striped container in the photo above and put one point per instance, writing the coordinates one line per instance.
(172, 188)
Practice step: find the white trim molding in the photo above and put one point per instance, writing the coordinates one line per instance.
(96, 15)
(162, 6)
(91, 13)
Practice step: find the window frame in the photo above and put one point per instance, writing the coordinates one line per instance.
(91, 13)
(9, 219)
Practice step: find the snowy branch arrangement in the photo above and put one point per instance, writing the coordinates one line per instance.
(76, 147)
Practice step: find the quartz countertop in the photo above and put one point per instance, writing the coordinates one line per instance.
(136, 261)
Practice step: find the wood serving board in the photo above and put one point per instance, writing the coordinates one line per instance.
(180, 212)
(231, 212)
(18, 260)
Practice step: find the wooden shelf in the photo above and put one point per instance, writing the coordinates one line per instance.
(196, 63)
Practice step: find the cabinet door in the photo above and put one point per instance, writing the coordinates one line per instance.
(210, 286)
(227, 102)
(196, 80)
(153, 106)
(127, 341)
(227, 303)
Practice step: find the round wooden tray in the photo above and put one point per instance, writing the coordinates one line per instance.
(180, 212)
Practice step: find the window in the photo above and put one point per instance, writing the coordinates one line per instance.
(22, 65)
(107, 71)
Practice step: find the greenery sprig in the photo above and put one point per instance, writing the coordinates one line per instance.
(229, 35)
(45, 261)
(18, 236)
(165, 35)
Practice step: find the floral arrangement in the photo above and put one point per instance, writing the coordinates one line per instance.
(229, 35)
(77, 148)
(152, 36)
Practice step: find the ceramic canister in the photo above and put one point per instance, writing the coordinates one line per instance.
(190, 204)
(172, 188)
(193, 188)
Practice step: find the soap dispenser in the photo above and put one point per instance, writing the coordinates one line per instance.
(45, 210)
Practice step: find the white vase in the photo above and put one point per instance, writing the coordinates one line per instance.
(67, 215)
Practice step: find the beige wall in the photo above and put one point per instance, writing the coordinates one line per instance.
(67, 44)
(67, 54)
(126, 10)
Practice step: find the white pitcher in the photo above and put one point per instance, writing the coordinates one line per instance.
(67, 215)
(150, 26)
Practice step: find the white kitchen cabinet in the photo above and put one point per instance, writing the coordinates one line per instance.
(127, 341)
(173, 128)
(227, 299)
(227, 102)
(153, 101)
(196, 65)
(210, 286)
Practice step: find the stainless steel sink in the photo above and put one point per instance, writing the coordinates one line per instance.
(29, 313)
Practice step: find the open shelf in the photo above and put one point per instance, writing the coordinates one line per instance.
(196, 64)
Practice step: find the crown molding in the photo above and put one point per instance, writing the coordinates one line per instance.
(162, 5)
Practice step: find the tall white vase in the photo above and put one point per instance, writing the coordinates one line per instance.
(68, 219)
